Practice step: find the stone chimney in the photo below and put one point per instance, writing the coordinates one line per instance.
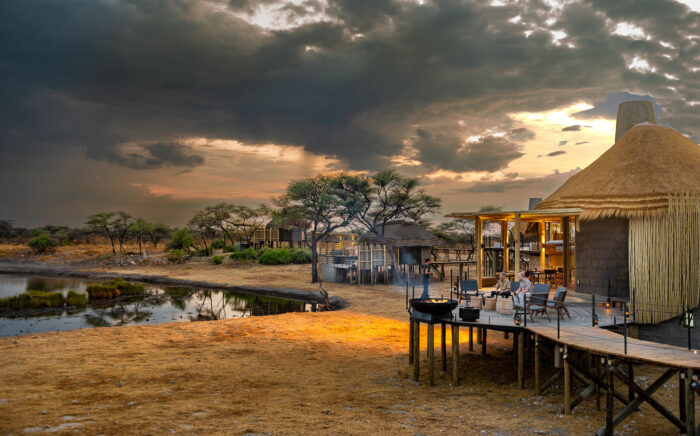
(631, 113)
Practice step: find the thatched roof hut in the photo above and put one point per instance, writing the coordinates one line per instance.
(640, 199)
(634, 177)
(401, 234)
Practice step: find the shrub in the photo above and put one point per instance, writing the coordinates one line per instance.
(249, 253)
(21, 301)
(217, 243)
(42, 243)
(176, 256)
(301, 255)
(230, 249)
(276, 257)
(217, 260)
(102, 291)
(45, 299)
(76, 299)
(237, 255)
(201, 252)
(182, 239)
(263, 251)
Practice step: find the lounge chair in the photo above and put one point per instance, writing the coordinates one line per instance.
(557, 303)
(469, 288)
(537, 304)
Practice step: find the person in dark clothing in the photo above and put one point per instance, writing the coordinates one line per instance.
(425, 269)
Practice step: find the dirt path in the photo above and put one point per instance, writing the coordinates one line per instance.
(298, 373)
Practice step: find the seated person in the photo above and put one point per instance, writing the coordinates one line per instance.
(502, 286)
(524, 289)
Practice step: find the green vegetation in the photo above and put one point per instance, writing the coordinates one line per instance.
(217, 260)
(281, 256)
(114, 288)
(42, 243)
(217, 243)
(181, 240)
(301, 255)
(33, 299)
(176, 256)
(76, 299)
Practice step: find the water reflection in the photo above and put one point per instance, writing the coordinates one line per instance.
(158, 305)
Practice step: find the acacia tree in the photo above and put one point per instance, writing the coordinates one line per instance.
(327, 202)
(122, 223)
(158, 232)
(220, 216)
(103, 223)
(204, 224)
(248, 220)
(141, 228)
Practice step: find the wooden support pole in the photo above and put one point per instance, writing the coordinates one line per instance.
(479, 335)
(443, 342)
(681, 395)
(411, 329)
(689, 403)
(521, 359)
(455, 354)
(630, 374)
(610, 398)
(416, 351)
(541, 236)
(483, 342)
(431, 354)
(516, 242)
(567, 382)
(538, 352)
(479, 240)
(567, 237)
(471, 339)
(504, 243)
(597, 377)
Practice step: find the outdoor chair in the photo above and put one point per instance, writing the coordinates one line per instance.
(557, 303)
(469, 288)
(537, 305)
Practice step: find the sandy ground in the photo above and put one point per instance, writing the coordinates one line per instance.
(342, 372)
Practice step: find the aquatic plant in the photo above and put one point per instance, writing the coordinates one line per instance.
(76, 299)
(21, 301)
(102, 291)
(45, 299)
(126, 288)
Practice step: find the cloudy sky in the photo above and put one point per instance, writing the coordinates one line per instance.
(157, 107)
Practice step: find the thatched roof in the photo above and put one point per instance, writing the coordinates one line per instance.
(402, 234)
(634, 177)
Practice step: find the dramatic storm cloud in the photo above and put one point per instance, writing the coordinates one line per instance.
(179, 104)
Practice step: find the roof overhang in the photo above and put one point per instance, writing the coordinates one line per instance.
(547, 215)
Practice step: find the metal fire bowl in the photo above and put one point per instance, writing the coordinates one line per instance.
(433, 306)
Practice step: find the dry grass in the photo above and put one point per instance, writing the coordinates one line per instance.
(315, 373)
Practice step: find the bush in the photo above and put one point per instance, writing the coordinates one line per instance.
(263, 251)
(237, 255)
(76, 299)
(217, 243)
(276, 257)
(45, 299)
(42, 243)
(217, 260)
(21, 301)
(301, 255)
(201, 252)
(176, 256)
(250, 253)
(182, 239)
(230, 249)
(102, 291)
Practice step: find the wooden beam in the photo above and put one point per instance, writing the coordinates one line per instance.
(689, 404)
(609, 428)
(538, 352)
(541, 240)
(443, 343)
(567, 242)
(431, 354)
(521, 359)
(479, 236)
(416, 351)
(483, 342)
(410, 341)
(455, 354)
(645, 396)
(516, 242)
(504, 242)
(567, 382)
(471, 338)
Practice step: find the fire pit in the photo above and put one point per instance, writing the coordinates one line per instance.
(433, 306)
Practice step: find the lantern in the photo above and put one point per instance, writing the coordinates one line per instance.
(517, 319)
(687, 320)
(595, 319)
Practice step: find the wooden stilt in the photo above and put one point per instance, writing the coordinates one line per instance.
(630, 374)
(443, 342)
(505, 335)
(479, 335)
(416, 351)
(521, 358)
(538, 351)
(567, 382)
(455, 354)
(471, 339)
(597, 386)
(689, 403)
(483, 342)
(431, 354)
(681, 395)
(410, 341)
(610, 398)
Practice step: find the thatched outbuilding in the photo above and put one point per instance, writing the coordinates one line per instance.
(639, 229)
(394, 249)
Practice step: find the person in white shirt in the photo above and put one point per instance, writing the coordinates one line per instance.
(524, 289)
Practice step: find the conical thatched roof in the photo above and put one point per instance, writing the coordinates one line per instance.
(402, 234)
(634, 177)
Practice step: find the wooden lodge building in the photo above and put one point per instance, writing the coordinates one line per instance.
(628, 225)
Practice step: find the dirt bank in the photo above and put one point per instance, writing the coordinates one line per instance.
(298, 373)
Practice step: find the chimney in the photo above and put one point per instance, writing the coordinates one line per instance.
(534, 202)
(631, 113)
